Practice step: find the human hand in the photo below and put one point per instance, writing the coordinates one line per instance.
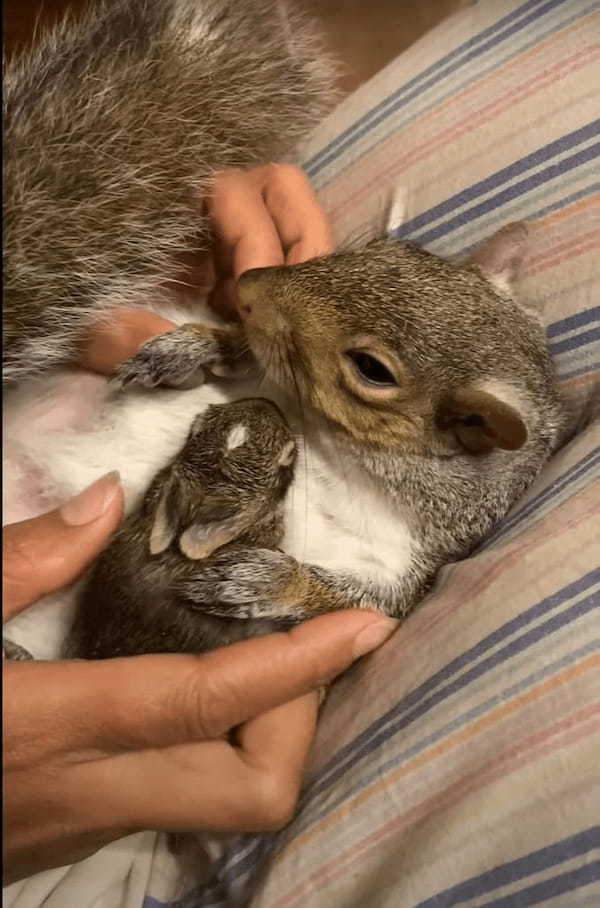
(260, 217)
(96, 750)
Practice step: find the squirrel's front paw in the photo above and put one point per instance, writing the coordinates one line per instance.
(179, 358)
(246, 583)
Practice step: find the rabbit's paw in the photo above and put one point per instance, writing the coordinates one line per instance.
(247, 583)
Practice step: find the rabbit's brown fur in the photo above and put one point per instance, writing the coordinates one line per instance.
(224, 490)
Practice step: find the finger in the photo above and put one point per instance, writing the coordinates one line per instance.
(214, 785)
(281, 736)
(304, 249)
(303, 227)
(196, 276)
(120, 337)
(245, 236)
(163, 700)
(49, 552)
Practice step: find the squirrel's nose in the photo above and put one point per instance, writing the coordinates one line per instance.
(252, 275)
(249, 284)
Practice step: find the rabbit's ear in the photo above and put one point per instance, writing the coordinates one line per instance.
(164, 526)
(201, 539)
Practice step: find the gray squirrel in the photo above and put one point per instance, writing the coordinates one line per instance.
(434, 389)
(421, 391)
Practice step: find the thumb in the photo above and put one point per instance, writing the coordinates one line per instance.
(163, 700)
(48, 552)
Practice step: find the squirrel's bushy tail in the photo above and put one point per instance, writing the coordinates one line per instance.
(112, 124)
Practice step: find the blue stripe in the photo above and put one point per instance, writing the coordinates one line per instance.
(504, 175)
(579, 340)
(538, 892)
(549, 889)
(394, 102)
(415, 704)
(522, 210)
(575, 373)
(569, 345)
(506, 195)
(591, 459)
(574, 321)
(535, 862)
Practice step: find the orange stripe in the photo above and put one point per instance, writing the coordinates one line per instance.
(580, 250)
(463, 164)
(569, 210)
(573, 242)
(542, 225)
(589, 378)
(462, 736)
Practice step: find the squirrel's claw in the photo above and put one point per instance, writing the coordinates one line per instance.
(173, 360)
(147, 375)
(182, 358)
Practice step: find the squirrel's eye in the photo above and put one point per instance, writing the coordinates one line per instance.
(370, 369)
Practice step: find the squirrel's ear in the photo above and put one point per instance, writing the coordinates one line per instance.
(499, 257)
(201, 539)
(164, 526)
(482, 420)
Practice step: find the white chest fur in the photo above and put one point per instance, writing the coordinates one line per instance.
(335, 516)
(61, 440)
(338, 519)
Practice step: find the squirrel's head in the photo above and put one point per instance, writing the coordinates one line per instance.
(401, 349)
(233, 471)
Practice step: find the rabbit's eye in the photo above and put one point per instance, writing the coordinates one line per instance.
(370, 370)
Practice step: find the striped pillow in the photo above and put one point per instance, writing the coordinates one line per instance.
(455, 766)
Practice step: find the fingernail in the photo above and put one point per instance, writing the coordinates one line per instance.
(93, 502)
(374, 635)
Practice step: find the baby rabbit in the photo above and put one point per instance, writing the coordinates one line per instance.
(223, 491)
